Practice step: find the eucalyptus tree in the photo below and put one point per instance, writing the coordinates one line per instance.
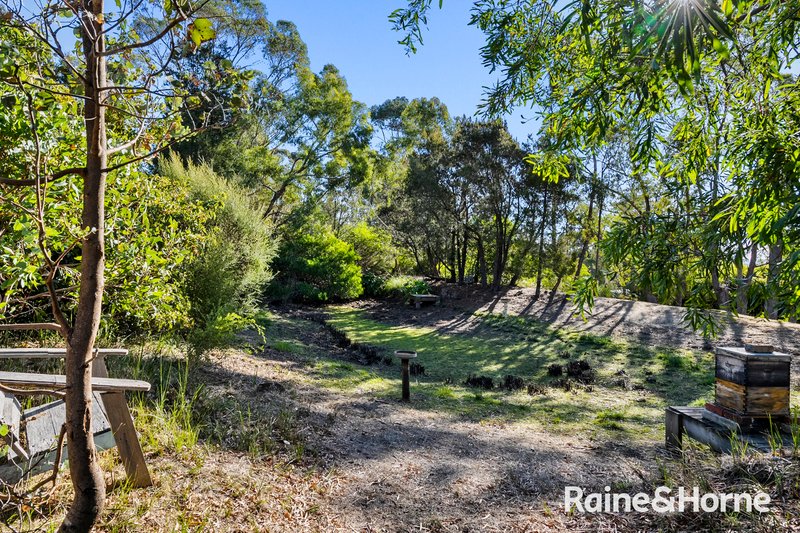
(104, 70)
(491, 165)
(699, 84)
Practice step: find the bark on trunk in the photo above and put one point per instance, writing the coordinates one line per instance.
(721, 296)
(453, 256)
(587, 236)
(598, 235)
(588, 224)
(462, 263)
(87, 477)
(775, 256)
(499, 263)
(482, 274)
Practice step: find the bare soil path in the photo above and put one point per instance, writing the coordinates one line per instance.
(398, 468)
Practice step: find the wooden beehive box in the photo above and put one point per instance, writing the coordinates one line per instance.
(752, 382)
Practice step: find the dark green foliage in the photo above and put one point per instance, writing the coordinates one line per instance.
(374, 285)
(417, 286)
(316, 267)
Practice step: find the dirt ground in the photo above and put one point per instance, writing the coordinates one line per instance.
(397, 468)
(376, 464)
(402, 469)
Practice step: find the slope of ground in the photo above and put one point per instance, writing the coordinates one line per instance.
(660, 325)
(297, 435)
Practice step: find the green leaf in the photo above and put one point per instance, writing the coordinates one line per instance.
(727, 7)
(201, 30)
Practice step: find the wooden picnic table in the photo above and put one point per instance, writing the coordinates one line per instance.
(112, 420)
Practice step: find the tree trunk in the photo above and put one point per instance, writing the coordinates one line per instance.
(599, 234)
(462, 266)
(453, 256)
(775, 256)
(498, 265)
(481, 261)
(721, 296)
(588, 223)
(541, 246)
(433, 263)
(84, 467)
(744, 281)
(587, 236)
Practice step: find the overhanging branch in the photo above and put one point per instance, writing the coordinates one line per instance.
(76, 171)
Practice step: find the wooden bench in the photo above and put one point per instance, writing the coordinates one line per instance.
(112, 423)
(419, 299)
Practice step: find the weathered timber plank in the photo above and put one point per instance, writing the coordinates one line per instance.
(119, 416)
(13, 471)
(30, 327)
(52, 353)
(730, 395)
(741, 353)
(759, 348)
(22, 380)
(731, 369)
(768, 374)
(673, 429)
(720, 420)
(767, 401)
(43, 423)
(10, 416)
(720, 438)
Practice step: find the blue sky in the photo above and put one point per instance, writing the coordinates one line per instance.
(355, 35)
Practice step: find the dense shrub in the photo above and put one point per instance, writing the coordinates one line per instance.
(399, 287)
(316, 267)
(374, 284)
(231, 269)
(374, 248)
(154, 227)
(417, 286)
(158, 227)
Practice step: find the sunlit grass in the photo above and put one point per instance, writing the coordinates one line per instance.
(653, 378)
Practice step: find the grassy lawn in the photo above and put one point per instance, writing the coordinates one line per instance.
(500, 346)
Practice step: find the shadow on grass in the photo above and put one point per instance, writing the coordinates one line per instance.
(631, 378)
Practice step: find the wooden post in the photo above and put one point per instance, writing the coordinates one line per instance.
(405, 356)
(674, 430)
(121, 421)
(406, 384)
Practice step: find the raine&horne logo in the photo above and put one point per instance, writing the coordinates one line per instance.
(663, 500)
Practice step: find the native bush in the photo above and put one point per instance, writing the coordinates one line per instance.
(316, 267)
(231, 269)
(154, 227)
